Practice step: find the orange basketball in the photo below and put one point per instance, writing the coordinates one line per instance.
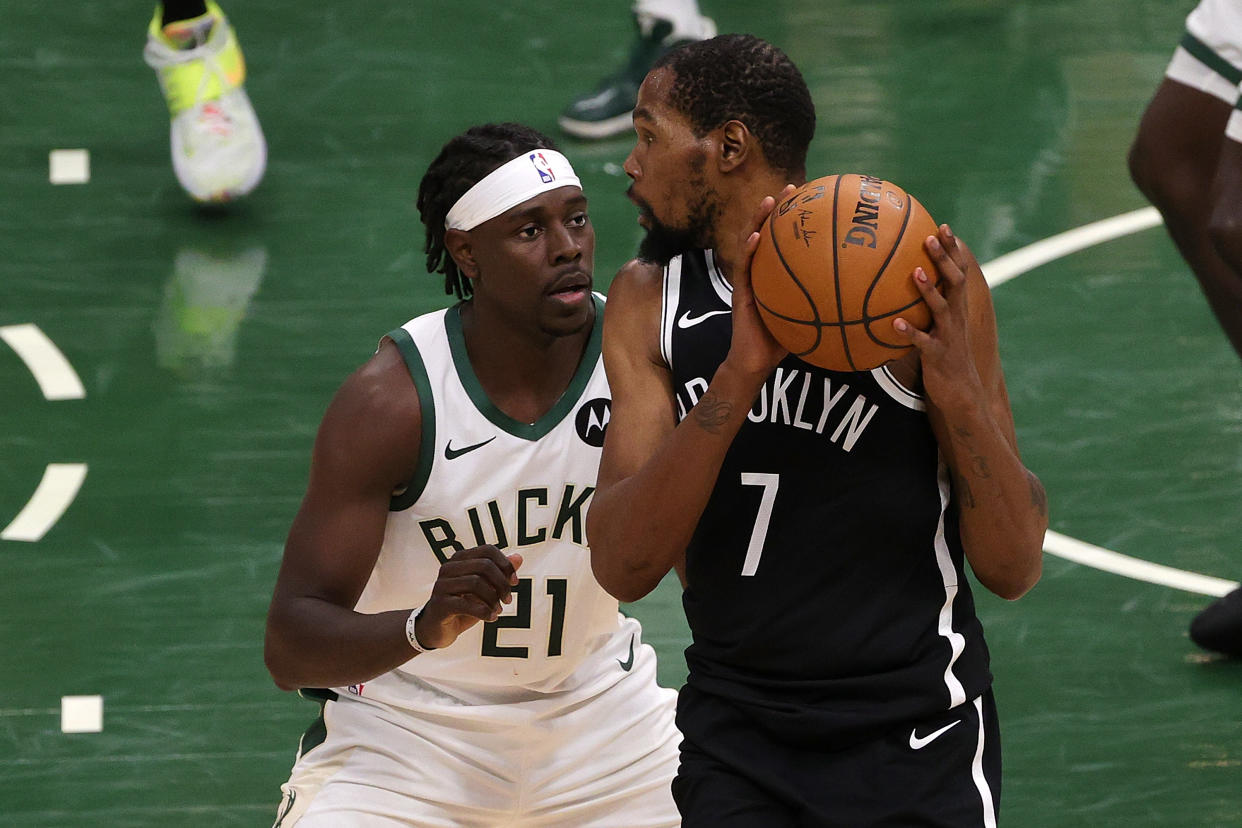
(833, 269)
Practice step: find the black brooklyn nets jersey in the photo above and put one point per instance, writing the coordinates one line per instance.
(826, 592)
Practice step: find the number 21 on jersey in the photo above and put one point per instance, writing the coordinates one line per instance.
(520, 620)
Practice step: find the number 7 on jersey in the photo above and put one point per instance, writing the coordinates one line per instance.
(759, 532)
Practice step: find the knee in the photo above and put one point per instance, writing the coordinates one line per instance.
(1225, 231)
(1142, 172)
(1176, 186)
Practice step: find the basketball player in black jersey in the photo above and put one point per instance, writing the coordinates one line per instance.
(821, 522)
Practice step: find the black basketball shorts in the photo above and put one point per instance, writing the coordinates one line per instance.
(943, 771)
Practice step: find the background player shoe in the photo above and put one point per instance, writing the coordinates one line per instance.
(1219, 626)
(218, 149)
(606, 111)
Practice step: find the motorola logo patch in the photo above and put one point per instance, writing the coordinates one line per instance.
(592, 421)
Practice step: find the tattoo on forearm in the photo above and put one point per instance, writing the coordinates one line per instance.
(1039, 497)
(979, 465)
(962, 489)
(712, 413)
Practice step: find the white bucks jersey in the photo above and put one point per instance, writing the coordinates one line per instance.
(484, 477)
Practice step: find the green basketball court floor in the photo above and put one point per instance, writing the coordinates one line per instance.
(208, 343)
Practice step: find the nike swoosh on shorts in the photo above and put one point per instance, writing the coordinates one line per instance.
(919, 742)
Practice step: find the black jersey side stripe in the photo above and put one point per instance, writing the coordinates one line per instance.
(948, 576)
(976, 771)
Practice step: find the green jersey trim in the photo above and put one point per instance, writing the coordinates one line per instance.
(317, 733)
(427, 405)
(1205, 55)
(498, 418)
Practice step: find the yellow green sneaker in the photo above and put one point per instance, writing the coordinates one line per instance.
(218, 149)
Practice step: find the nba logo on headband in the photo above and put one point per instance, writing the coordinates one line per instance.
(509, 185)
(542, 167)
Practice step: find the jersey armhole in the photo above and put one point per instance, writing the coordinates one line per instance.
(427, 406)
(889, 384)
(669, 299)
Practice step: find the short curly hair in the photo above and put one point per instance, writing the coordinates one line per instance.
(742, 77)
(463, 162)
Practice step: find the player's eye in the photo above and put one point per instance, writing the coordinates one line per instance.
(578, 220)
(530, 231)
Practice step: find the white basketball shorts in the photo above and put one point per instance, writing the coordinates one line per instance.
(605, 761)
(1209, 57)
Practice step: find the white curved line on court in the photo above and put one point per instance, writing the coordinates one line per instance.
(51, 370)
(57, 489)
(1003, 268)
(1006, 267)
(1098, 557)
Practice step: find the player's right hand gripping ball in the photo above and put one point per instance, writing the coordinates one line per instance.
(834, 269)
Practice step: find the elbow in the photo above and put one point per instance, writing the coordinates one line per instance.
(621, 578)
(1010, 569)
(625, 580)
(626, 586)
(1012, 589)
(1016, 580)
(277, 666)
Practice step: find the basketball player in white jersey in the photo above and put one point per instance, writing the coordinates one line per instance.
(1187, 159)
(436, 593)
(1187, 155)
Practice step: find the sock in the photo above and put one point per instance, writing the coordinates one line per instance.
(186, 25)
(684, 16)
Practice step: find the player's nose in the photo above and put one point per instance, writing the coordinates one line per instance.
(631, 166)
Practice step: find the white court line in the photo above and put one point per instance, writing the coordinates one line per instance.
(1153, 573)
(56, 491)
(1003, 268)
(1006, 267)
(51, 370)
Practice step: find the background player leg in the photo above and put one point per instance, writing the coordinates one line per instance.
(218, 149)
(1174, 162)
(662, 25)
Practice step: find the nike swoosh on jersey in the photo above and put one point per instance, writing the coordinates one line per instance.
(688, 321)
(919, 742)
(629, 661)
(451, 453)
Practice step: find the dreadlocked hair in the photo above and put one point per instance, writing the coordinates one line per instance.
(741, 77)
(463, 162)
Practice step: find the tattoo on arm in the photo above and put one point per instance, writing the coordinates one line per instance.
(962, 489)
(711, 413)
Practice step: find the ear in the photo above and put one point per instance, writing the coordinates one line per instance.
(736, 145)
(458, 245)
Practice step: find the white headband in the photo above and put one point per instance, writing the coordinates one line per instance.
(521, 179)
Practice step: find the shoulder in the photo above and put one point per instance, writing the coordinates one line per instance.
(632, 321)
(375, 417)
(637, 281)
(381, 387)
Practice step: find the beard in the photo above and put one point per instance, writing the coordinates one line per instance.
(664, 242)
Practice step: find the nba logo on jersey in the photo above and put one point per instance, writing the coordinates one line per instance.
(542, 167)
